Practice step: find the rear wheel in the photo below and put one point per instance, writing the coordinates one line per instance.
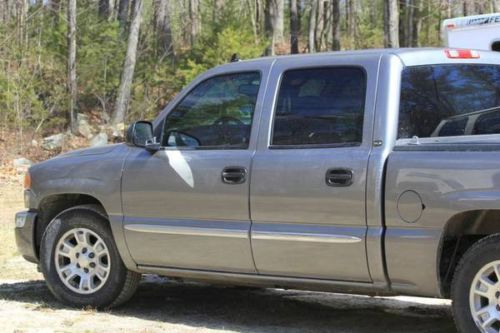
(476, 288)
(81, 263)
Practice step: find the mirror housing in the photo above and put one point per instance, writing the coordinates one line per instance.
(140, 134)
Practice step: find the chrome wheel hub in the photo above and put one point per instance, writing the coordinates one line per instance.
(484, 298)
(82, 261)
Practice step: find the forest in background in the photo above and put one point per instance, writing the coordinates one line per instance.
(104, 63)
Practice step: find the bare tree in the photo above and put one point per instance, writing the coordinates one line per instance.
(274, 13)
(129, 65)
(391, 23)
(495, 6)
(72, 65)
(335, 25)
(194, 16)
(312, 26)
(123, 12)
(217, 10)
(162, 27)
(294, 27)
(104, 9)
(279, 20)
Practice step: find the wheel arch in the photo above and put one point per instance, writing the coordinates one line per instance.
(461, 231)
(53, 205)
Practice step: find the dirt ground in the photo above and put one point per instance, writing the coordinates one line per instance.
(161, 305)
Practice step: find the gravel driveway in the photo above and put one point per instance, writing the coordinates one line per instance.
(162, 305)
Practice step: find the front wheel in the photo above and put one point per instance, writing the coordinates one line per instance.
(80, 261)
(476, 288)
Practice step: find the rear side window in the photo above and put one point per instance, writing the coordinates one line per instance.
(449, 100)
(320, 106)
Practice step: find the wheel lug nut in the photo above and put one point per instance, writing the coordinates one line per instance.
(84, 250)
(497, 294)
(86, 270)
(91, 255)
(78, 255)
(78, 265)
(92, 265)
(498, 307)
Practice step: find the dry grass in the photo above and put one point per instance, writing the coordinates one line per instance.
(12, 265)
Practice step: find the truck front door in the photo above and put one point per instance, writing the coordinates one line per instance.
(186, 206)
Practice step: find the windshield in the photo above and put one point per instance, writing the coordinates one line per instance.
(449, 100)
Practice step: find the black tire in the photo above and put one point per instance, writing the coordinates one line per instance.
(120, 284)
(479, 255)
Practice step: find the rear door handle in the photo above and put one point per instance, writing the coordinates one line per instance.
(339, 177)
(234, 175)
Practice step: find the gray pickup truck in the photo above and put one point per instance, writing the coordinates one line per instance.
(373, 172)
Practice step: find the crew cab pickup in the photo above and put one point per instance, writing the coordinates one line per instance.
(373, 172)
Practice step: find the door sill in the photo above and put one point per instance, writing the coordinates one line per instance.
(271, 281)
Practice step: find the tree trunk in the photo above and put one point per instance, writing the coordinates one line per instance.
(335, 25)
(104, 9)
(352, 22)
(72, 65)
(279, 21)
(217, 11)
(402, 28)
(312, 26)
(55, 7)
(417, 22)
(123, 13)
(163, 28)
(391, 23)
(194, 16)
(269, 28)
(320, 23)
(294, 27)
(495, 6)
(129, 66)
(469, 7)
(273, 12)
(410, 14)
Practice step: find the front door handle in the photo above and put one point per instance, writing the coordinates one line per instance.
(339, 177)
(234, 175)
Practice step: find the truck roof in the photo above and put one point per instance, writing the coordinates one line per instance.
(408, 56)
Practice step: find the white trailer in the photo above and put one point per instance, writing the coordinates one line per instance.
(479, 32)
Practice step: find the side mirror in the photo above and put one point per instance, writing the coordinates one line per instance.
(140, 134)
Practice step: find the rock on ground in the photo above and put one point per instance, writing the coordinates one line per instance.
(100, 139)
(53, 142)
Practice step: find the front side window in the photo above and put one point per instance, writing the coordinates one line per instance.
(217, 113)
(320, 106)
(449, 100)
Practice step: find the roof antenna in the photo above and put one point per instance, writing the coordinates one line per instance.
(235, 57)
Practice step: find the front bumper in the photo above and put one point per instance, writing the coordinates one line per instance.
(25, 235)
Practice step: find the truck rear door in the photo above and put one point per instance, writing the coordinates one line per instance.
(308, 182)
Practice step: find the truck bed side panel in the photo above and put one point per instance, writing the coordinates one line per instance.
(425, 188)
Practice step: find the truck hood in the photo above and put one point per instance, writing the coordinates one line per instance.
(91, 151)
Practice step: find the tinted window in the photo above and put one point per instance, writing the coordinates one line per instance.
(441, 100)
(320, 106)
(488, 123)
(217, 113)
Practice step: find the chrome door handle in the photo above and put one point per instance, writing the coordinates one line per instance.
(234, 175)
(339, 177)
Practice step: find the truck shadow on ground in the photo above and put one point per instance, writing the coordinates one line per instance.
(258, 310)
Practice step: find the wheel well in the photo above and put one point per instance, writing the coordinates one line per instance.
(462, 231)
(51, 206)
